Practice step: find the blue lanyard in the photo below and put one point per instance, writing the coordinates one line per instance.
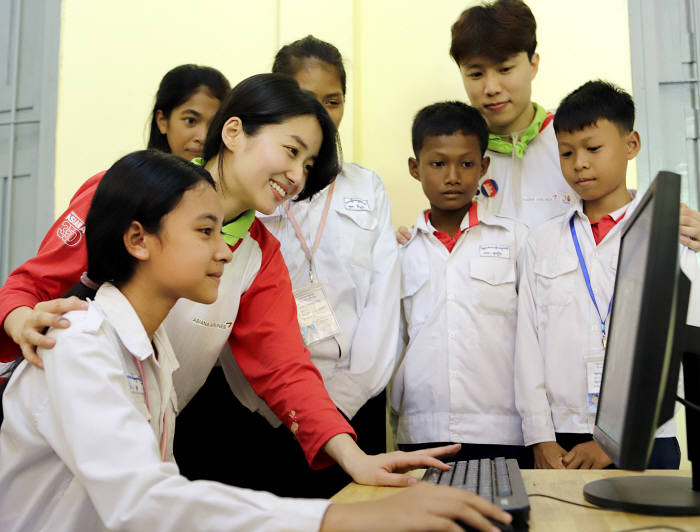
(587, 278)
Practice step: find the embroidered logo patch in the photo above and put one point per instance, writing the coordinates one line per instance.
(356, 204)
(493, 250)
(135, 383)
(489, 188)
(71, 230)
(213, 324)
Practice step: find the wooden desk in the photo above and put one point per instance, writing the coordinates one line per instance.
(550, 515)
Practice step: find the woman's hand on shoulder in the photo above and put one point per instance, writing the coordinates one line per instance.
(27, 326)
(420, 507)
(403, 235)
(690, 227)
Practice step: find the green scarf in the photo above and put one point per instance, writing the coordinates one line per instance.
(237, 229)
(500, 144)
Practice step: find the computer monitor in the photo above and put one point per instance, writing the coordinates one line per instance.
(648, 340)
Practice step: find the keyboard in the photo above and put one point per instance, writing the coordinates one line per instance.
(498, 481)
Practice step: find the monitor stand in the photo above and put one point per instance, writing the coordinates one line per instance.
(662, 495)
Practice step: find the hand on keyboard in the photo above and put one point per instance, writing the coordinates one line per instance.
(498, 481)
(387, 469)
(420, 507)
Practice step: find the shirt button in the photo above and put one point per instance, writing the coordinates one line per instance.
(451, 334)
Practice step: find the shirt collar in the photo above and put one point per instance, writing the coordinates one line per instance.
(124, 320)
(576, 208)
(519, 142)
(232, 232)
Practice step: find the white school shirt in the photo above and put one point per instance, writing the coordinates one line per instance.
(454, 382)
(357, 262)
(77, 451)
(558, 326)
(531, 189)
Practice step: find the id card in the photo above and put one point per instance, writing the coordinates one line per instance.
(594, 377)
(316, 317)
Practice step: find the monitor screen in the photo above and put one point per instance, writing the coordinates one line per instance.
(639, 352)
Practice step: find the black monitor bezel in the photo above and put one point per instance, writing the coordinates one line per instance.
(649, 373)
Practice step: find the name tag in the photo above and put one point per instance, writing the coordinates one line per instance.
(356, 204)
(594, 376)
(135, 383)
(317, 320)
(492, 250)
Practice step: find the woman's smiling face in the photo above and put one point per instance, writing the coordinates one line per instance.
(264, 169)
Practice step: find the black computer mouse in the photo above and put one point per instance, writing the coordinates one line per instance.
(504, 527)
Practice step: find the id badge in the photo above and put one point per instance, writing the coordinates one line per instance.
(594, 377)
(316, 317)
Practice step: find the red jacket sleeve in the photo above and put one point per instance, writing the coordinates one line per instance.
(269, 350)
(61, 259)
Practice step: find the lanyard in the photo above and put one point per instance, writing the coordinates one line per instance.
(164, 434)
(310, 253)
(587, 278)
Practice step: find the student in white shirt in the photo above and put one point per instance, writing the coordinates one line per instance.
(459, 297)
(340, 240)
(561, 328)
(86, 443)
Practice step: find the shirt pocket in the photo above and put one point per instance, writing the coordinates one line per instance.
(356, 243)
(555, 278)
(493, 279)
(416, 301)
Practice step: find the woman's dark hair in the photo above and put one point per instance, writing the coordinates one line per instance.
(266, 99)
(176, 87)
(143, 186)
(289, 58)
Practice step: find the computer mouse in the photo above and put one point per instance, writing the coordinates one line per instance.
(504, 527)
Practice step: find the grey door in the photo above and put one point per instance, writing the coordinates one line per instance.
(29, 43)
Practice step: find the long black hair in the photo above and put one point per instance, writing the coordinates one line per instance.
(266, 99)
(142, 186)
(176, 87)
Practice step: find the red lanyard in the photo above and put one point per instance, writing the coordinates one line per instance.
(309, 253)
(164, 434)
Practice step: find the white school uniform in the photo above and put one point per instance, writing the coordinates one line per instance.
(80, 450)
(454, 382)
(531, 189)
(558, 326)
(357, 262)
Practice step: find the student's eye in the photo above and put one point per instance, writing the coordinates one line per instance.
(332, 103)
(436, 164)
(206, 230)
(474, 75)
(564, 154)
(308, 168)
(468, 164)
(594, 148)
(292, 150)
(506, 69)
(190, 121)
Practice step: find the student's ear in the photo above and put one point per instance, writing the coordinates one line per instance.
(535, 64)
(413, 168)
(135, 241)
(232, 132)
(161, 122)
(485, 162)
(634, 144)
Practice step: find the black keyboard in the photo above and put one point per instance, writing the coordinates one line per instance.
(498, 481)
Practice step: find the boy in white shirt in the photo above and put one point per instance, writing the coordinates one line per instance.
(459, 297)
(567, 282)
